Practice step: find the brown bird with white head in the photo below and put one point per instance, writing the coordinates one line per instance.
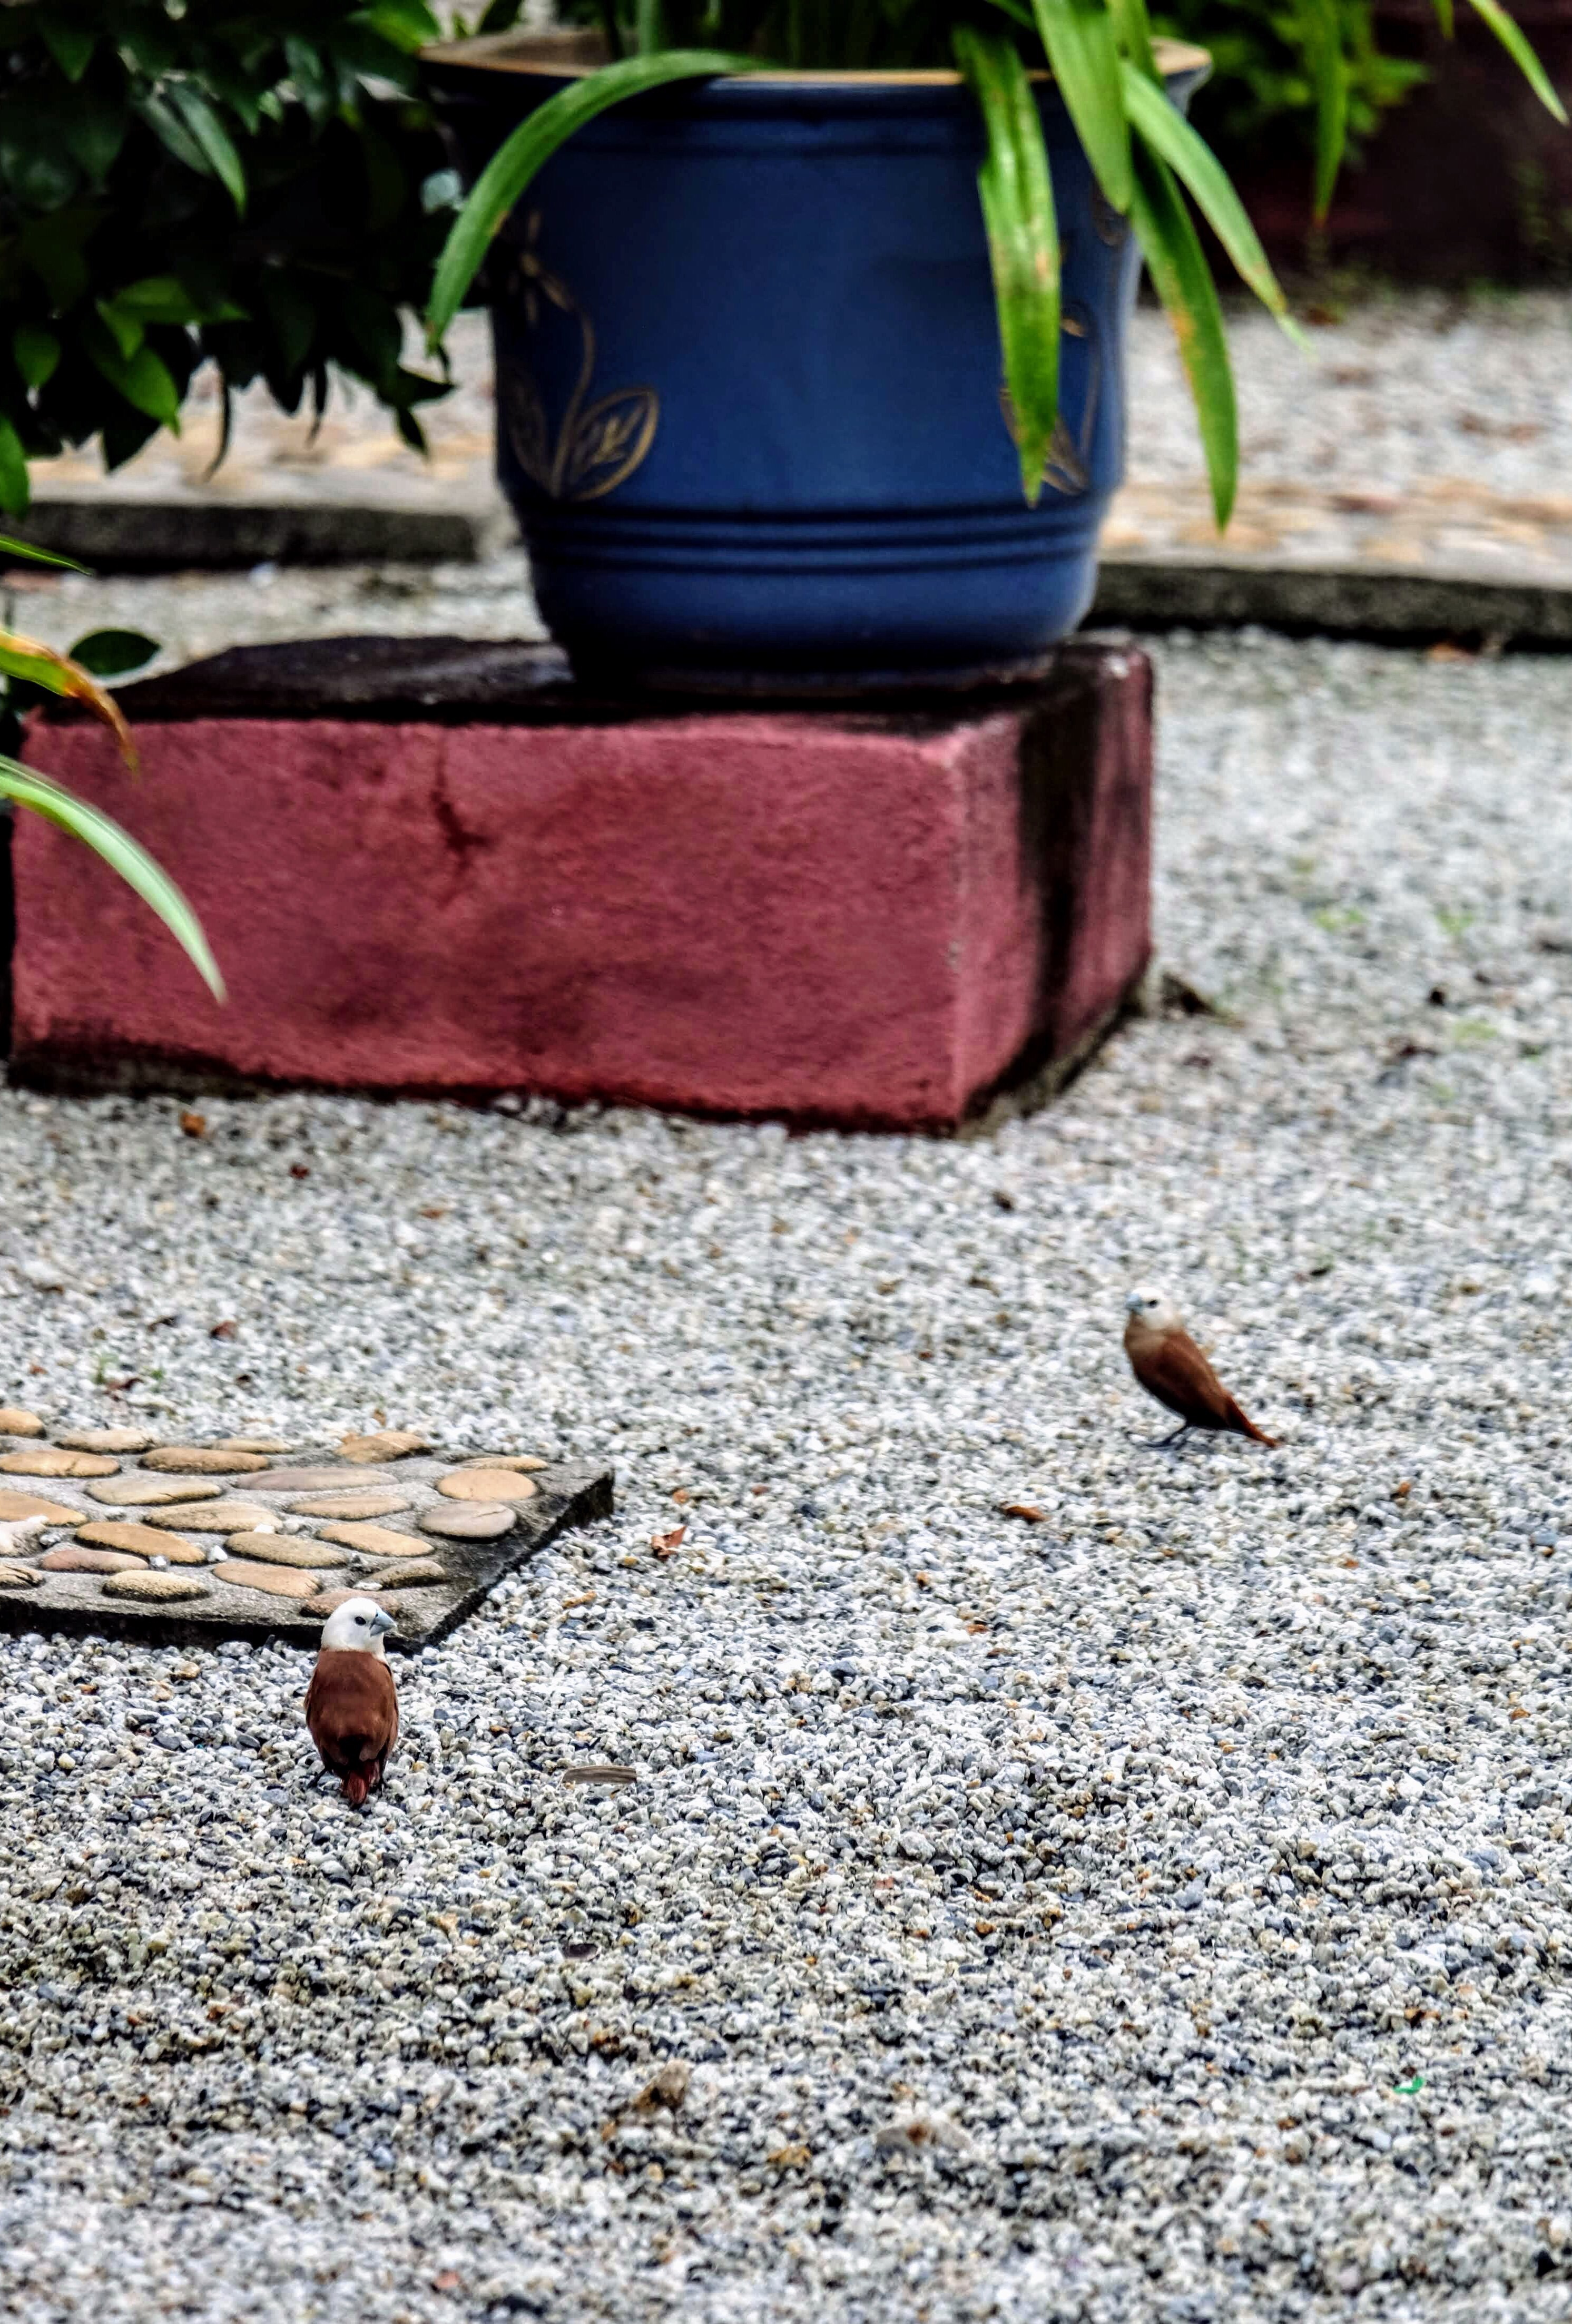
(1169, 1367)
(351, 1706)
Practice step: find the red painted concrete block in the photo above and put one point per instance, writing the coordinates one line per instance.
(478, 882)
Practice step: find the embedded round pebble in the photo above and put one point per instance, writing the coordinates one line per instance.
(311, 1480)
(203, 1461)
(487, 1485)
(137, 1491)
(330, 1600)
(77, 1560)
(416, 1575)
(273, 1444)
(53, 1460)
(14, 1422)
(213, 1517)
(283, 1549)
(142, 1541)
(18, 1577)
(105, 1440)
(387, 1444)
(155, 1589)
(519, 1462)
(15, 1508)
(465, 1522)
(277, 1580)
(347, 1507)
(371, 1540)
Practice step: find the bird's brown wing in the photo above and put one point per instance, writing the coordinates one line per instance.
(352, 1709)
(1171, 1367)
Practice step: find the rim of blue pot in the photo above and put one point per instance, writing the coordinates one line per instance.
(511, 52)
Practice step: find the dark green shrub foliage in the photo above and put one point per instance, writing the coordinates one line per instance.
(1261, 84)
(190, 179)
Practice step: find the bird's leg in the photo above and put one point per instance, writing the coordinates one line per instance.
(1162, 1443)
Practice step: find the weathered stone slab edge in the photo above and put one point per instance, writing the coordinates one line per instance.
(580, 1492)
(1330, 601)
(132, 535)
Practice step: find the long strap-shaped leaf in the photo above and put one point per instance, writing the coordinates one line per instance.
(1078, 36)
(1522, 53)
(1023, 241)
(1321, 44)
(1183, 282)
(532, 144)
(121, 852)
(1188, 154)
(57, 673)
(1133, 33)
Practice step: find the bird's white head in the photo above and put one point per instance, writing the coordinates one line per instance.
(358, 1626)
(1153, 1308)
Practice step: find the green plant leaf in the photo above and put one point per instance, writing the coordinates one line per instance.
(405, 25)
(15, 490)
(37, 353)
(1517, 46)
(114, 653)
(33, 555)
(1133, 33)
(1322, 41)
(121, 852)
(1023, 241)
(128, 331)
(56, 673)
(143, 380)
(1188, 154)
(1078, 36)
(1183, 282)
(1019, 11)
(532, 144)
(217, 146)
(171, 132)
(71, 45)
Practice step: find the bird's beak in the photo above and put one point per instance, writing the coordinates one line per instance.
(382, 1623)
(1132, 1304)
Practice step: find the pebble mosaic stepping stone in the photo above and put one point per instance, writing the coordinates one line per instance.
(141, 1541)
(174, 1547)
(105, 1440)
(343, 1506)
(55, 1461)
(153, 1588)
(465, 1521)
(388, 1444)
(213, 1517)
(140, 1491)
(486, 1485)
(276, 1581)
(203, 1461)
(284, 1549)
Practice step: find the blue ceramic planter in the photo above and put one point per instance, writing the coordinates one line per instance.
(749, 403)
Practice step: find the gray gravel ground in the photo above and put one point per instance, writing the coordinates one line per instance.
(1401, 389)
(1157, 1912)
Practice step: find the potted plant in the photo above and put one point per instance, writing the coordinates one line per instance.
(750, 314)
